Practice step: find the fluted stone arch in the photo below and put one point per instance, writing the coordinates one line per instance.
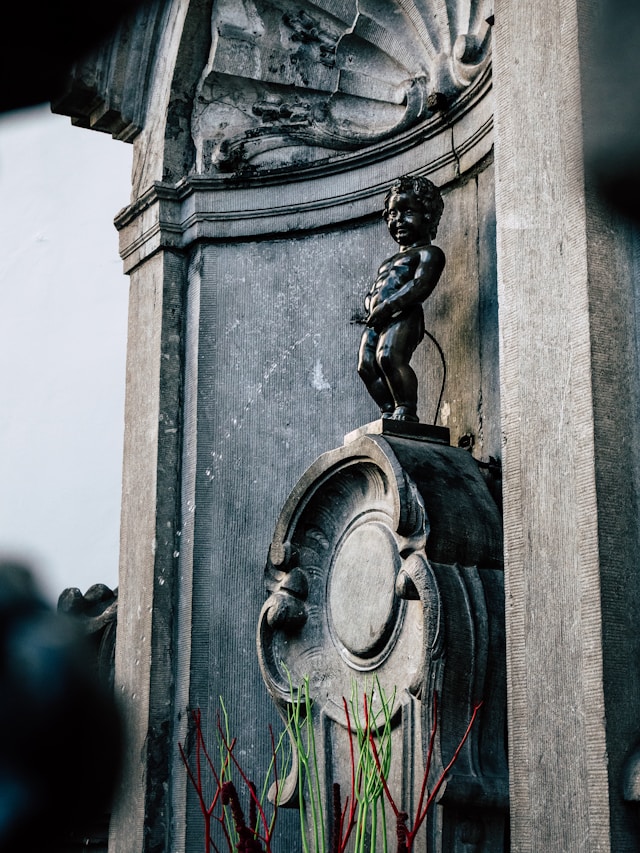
(287, 86)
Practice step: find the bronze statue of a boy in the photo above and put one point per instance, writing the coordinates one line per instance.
(395, 320)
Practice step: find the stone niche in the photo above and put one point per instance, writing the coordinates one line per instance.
(265, 135)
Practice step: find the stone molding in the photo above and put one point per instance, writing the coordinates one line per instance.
(287, 85)
(362, 93)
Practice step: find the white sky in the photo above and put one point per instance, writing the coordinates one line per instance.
(63, 307)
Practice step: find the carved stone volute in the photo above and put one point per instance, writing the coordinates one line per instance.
(386, 561)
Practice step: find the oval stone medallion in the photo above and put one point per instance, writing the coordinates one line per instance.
(361, 597)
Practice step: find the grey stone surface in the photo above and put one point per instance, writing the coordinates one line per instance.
(266, 269)
(149, 527)
(570, 405)
(270, 384)
(401, 429)
(108, 90)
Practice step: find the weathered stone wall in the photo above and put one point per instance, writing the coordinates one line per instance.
(570, 401)
(252, 237)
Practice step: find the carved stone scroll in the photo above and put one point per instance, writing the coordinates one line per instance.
(386, 562)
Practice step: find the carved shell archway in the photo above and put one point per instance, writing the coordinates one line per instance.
(289, 85)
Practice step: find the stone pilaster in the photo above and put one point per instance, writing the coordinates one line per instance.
(569, 401)
(149, 540)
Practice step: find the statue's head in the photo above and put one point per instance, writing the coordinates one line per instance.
(427, 196)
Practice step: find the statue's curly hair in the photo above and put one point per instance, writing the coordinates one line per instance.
(427, 194)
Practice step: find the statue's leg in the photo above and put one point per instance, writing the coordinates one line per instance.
(395, 348)
(370, 374)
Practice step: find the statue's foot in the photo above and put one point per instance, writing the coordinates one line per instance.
(387, 413)
(405, 413)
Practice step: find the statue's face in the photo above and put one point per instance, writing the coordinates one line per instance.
(406, 219)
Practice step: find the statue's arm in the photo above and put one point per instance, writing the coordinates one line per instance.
(430, 264)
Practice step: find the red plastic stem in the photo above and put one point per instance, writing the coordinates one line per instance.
(344, 835)
(387, 792)
(246, 781)
(432, 738)
(420, 818)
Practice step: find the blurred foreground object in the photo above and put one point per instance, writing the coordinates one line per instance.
(60, 732)
(59, 34)
(612, 129)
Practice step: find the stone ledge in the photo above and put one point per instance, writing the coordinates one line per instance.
(401, 429)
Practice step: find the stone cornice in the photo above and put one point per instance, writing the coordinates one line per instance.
(226, 208)
(108, 89)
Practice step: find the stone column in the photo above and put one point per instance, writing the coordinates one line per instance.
(569, 399)
(149, 529)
